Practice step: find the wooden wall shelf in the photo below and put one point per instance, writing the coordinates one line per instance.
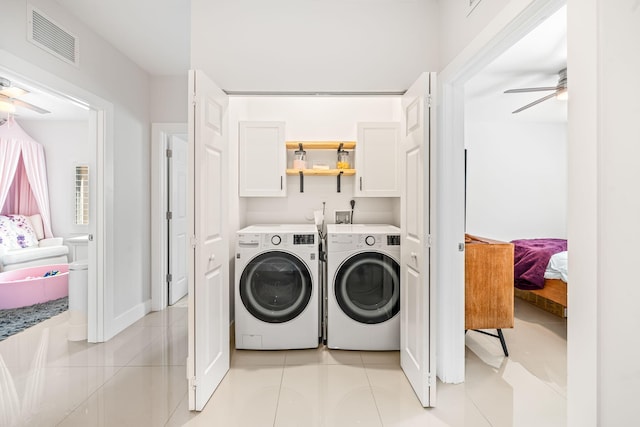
(321, 172)
(321, 145)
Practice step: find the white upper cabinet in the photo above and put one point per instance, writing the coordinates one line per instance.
(376, 159)
(263, 159)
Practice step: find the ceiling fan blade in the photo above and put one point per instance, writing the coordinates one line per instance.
(544, 98)
(531, 89)
(19, 103)
(35, 108)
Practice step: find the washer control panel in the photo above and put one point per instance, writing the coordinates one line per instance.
(303, 239)
(270, 240)
(393, 240)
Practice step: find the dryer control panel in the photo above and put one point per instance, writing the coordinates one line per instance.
(362, 241)
(377, 240)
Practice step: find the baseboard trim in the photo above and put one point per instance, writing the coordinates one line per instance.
(128, 318)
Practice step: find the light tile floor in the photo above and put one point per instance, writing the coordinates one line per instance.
(138, 379)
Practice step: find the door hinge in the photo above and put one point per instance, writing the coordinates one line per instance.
(461, 247)
(430, 379)
(194, 242)
(428, 241)
(169, 152)
(169, 278)
(193, 383)
(169, 215)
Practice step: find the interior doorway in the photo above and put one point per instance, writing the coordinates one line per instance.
(76, 112)
(169, 214)
(504, 31)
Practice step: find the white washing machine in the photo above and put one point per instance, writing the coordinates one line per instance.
(277, 287)
(363, 273)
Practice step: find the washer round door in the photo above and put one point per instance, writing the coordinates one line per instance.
(275, 287)
(367, 287)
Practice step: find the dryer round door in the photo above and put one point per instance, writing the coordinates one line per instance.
(275, 287)
(367, 287)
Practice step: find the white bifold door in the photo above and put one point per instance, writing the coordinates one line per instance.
(208, 359)
(417, 332)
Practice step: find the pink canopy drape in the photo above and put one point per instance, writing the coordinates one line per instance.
(23, 175)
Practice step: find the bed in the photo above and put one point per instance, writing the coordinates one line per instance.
(541, 273)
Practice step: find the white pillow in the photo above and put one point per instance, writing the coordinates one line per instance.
(16, 232)
(558, 267)
(36, 224)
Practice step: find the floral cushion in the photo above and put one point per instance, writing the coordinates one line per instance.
(16, 232)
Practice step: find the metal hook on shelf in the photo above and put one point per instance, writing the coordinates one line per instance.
(301, 181)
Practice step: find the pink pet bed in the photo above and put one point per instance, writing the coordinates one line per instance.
(28, 286)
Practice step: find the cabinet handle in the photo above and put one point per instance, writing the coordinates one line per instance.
(360, 183)
(281, 182)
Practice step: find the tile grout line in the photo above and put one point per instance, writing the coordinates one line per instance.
(373, 395)
(116, 372)
(176, 408)
(480, 411)
(93, 393)
(284, 365)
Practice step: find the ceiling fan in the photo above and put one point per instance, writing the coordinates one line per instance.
(9, 95)
(559, 91)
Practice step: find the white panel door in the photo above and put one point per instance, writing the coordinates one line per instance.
(178, 223)
(417, 332)
(209, 255)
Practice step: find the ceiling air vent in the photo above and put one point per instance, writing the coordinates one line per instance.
(48, 35)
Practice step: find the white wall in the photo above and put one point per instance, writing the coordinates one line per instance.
(169, 98)
(603, 349)
(107, 74)
(459, 26)
(314, 45)
(65, 147)
(516, 180)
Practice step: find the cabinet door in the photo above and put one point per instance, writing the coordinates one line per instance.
(376, 161)
(262, 159)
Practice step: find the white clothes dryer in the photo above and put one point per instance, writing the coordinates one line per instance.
(363, 301)
(277, 287)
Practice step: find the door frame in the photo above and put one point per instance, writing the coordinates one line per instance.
(100, 296)
(509, 26)
(160, 135)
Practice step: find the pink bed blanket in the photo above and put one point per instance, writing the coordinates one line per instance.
(531, 257)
